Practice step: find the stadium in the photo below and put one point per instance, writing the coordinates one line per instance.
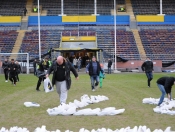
(126, 31)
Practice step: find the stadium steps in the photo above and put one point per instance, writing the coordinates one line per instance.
(18, 43)
(130, 10)
(29, 6)
(139, 44)
(44, 13)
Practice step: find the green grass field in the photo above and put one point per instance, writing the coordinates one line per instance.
(125, 90)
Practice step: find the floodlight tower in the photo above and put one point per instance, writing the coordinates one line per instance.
(115, 54)
(39, 39)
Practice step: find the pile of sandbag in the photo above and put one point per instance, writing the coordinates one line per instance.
(71, 107)
(14, 129)
(165, 108)
(127, 129)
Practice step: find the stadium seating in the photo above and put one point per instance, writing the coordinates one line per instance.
(49, 39)
(78, 7)
(150, 7)
(125, 43)
(53, 8)
(10, 8)
(159, 43)
(7, 40)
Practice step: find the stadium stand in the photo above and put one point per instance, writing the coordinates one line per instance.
(49, 39)
(150, 7)
(10, 8)
(7, 40)
(79, 7)
(53, 8)
(158, 43)
(125, 43)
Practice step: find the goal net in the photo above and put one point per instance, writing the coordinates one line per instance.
(22, 58)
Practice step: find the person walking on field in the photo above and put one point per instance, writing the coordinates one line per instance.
(61, 76)
(18, 70)
(109, 66)
(93, 68)
(147, 67)
(41, 67)
(5, 68)
(165, 85)
(12, 67)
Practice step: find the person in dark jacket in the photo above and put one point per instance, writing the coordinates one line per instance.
(41, 66)
(147, 67)
(61, 76)
(109, 66)
(18, 70)
(25, 11)
(34, 66)
(93, 68)
(12, 67)
(5, 68)
(165, 85)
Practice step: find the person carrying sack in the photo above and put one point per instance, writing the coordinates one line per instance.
(61, 76)
(41, 67)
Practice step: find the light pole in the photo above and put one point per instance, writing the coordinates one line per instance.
(115, 69)
(115, 33)
(39, 32)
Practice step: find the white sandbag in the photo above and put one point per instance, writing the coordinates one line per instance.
(116, 112)
(94, 99)
(48, 85)
(31, 104)
(70, 111)
(55, 111)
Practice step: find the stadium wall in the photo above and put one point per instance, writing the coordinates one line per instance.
(10, 20)
(155, 20)
(61, 20)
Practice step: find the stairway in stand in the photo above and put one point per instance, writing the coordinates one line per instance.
(130, 10)
(139, 44)
(18, 43)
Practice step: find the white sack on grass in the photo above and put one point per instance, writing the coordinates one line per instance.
(48, 85)
(127, 129)
(164, 108)
(31, 104)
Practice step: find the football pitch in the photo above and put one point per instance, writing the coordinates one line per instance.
(124, 90)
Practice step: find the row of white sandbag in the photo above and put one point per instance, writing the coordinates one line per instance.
(70, 108)
(164, 108)
(127, 129)
(87, 111)
(85, 100)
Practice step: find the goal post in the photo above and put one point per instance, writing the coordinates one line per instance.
(22, 58)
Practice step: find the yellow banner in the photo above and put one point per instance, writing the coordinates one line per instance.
(82, 38)
(78, 18)
(150, 18)
(10, 19)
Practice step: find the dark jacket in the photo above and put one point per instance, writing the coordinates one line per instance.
(109, 63)
(90, 68)
(18, 70)
(68, 68)
(147, 66)
(12, 68)
(34, 64)
(167, 82)
(5, 65)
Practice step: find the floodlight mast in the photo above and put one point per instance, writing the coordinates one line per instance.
(39, 39)
(160, 7)
(115, 35)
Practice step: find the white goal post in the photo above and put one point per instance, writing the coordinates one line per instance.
(22, 58)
